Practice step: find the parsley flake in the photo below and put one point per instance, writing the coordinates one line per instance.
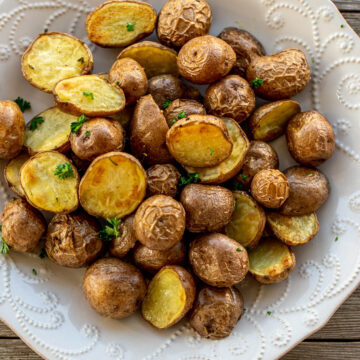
(309, 173)
(237, 186)
(75, 126)
(82, 60)
(236, 206)
(109, 233)
(336, 239)
(46, 30)
(244, 177)
(43, 254)
(64, 171)
(35, 122)
(211, 152)
(117, 83)
(167, 103)
(239, 250)
(4, 246)
(174, 121)
(34, 272)
(181, 115)
(256, 83)
(130, 27)
(268, 312)
(88, 94)
(23, 104)
(342, 25)
(191, 178)
(87, 134)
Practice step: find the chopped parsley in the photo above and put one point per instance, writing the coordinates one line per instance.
(211, 152)
(268, 312)
(46, 30)
(34, 272)
(236, 206)
(238, 186)
(35, 122)
(181, 115)
(82, 60)
(113, 161)
(206, 330)
(109, 233)
(256, 83)
(167, 103)
(174, 121)
(244, 177)
(88, 94)
(336, 239)
(87, 134)
(23, 104)
(64, 171)
(312, 60)
(239, 250)
(342, 25)
(309, 173)
(4, 246)
(191, 178)
(117, 83)
(130, 27)
(43, 254)
(75, 126)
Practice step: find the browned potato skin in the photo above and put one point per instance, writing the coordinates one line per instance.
(216, 311)
(310, 138)
(114, 288)
(12, 129)
(162, 180)
(177, 106)
(231, 97)
(80, 164)
(270, 188)
(129, 75)
(105, 135)
(216, 261)
(309, 189)
(159, 222)
(208, 207)
(205, 59)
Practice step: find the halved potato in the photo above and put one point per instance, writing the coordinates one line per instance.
(12, 173)
(271, 261)
(293, 230)
(156, 59)
(232, 165)
(199, 141)
(51, 134)
(90, 95)
(248, 220)
(169, 297)
(46, 190)
(54, 56)
(120, 23)
(113, 185)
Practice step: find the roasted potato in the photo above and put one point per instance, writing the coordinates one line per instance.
(199, 141)
(208, 207)
(81, 165)
(88, 95)
(72, 240)
(230, 97)
(12, 129)
(50, 182)
(120, 23)
(159, 222)
(181, 108)
(97, 136)
(271, 261)
(218, 260)
(156, 59)
(148, 129)
(22, 225)
(216, 311)
(309, 189)
(269, 121)
(181, 21)
(113, 185)
(130, 76)
(55, 56)
(246, 46)
(12, 173)
(248, 220)
(283, 75)
(162, 180)
(310, 138)
(169, 297)
(270, 188)
(205, 59)
(124, 116)
(114, 288)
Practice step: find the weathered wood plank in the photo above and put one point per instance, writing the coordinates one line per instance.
(15, 349)
(348, 5)
(354, 20)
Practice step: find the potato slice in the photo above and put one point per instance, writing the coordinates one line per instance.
(232, 165)
(199, 141)
(44, 189)
(271, 261)
(54, 56)
(120, 23)
(293, 230)
(269, 121)
(169, 297)
(12, 173)
(156, 59)
(90, 95)
(113, 185)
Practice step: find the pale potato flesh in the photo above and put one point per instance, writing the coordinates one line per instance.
(12, 172)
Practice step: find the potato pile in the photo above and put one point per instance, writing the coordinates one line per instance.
(149, 180)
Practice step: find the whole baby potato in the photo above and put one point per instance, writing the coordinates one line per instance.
(163, 179)
(22, 225)
(181, 108)
(12, 129)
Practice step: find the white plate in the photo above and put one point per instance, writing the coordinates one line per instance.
(48, 310)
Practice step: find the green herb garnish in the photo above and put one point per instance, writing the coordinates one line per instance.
(64, 171)
(88, 94)
(82, 60)
(4, 246)
(191, 178)
(35, 122)
(181, 115)
(110, 232)
(309, 173)
(34, 272)
(23, 104)
(46, 30)
(239, 250)
(75, 126)
(43, 254)
(130, 27)
(87, 134)
(117, 83)
(244, 177)
(336, 239)
(238, 186)
(268, 312)
(211, 152)
(174, 121)
(167, 103)
(236, 206)
(342, 25)
(256, 83)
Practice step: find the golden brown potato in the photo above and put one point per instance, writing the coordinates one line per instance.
(120, 23)
(181, 21)
(310, 138)
(269, 121)
(130, 76)
(199, 141)
(208, 208)
(218, 260)
(159, 222)
(232, 97)
(148, 129)
(246, 46)
(205, 59)
(97, 136)
(72, 240)
(283, 75)
(180, 108)
(309, 189)
(216, 312)
(162, 180)
(43, 62)
(169, 297)
(22, 225)
(12, 129)
(114, 288)
(271, 261)
(12, 173)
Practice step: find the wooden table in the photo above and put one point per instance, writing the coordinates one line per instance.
(338, 340)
